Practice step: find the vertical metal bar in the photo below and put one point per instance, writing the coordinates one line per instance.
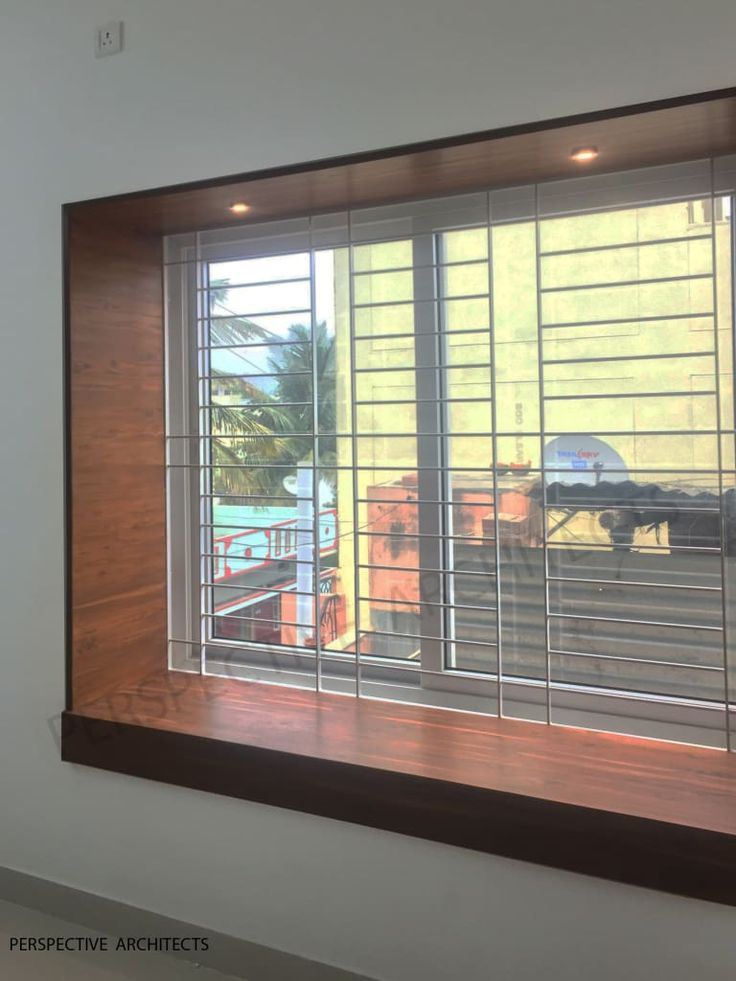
(732, 267)
(494, 461)
(191, 425)
(205, 454)
(542, 467)
(184, 563)
(444, 517)
(431, 453)
(719, 428)
(317, 606)
(357, 592)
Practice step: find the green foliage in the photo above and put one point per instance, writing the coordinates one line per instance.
(249, 436)
(295, 385)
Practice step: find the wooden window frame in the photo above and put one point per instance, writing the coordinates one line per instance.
(637, 811)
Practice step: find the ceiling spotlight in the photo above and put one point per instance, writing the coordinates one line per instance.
(582, 154)
(239, 208)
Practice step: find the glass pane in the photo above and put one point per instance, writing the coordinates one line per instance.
(238, 272)
(462, 451)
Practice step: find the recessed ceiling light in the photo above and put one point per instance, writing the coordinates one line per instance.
(239, 208)
(582, 154)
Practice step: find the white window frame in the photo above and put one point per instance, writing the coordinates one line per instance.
(645, 714)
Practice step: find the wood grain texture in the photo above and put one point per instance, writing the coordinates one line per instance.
(116, 457)
(665, 132)
(633, 810)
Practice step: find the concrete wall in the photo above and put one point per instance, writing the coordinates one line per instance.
(213, 88)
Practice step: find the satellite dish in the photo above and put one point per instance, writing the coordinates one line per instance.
(290, 484)
(579, 459)
(301, 486)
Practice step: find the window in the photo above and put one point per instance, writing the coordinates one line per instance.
(709, 209)
(473, 452)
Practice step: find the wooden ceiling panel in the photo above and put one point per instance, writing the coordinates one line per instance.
(670, 131)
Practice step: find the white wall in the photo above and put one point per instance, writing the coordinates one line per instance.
(208, 88)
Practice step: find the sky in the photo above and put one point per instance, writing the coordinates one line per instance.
(274, 292)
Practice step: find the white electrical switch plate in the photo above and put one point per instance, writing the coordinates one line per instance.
(109, 39)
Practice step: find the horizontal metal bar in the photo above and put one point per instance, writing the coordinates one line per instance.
(626, 282)
(310, 540)
(233, 644)
(412, 335)
(445, 640)
(680, 507)
(559, 468)
(418, 268)
(375, 434)
(626, 395)
(624, 245)
(274, 623)
(608, 546)
(254, 528)
(504, 433)
(214, 287)
(435, 401)
(628, 320)
(635, 582)
(209, 406)
(255, 313)
(291, 498)
(422, 302)
(361, 434)
(551, 433)
(287, 466)
(265, 342)
(211, 259)
(410, 535)
(377, 467)
(419, 367)
(420, 570)
(423, 501)
(635, 432)
(262, 553)
(639, 623)
(277, 435)
(420, 602)
(614, 658)
(389, 239)
(253, 374)
(265, 589)
(631, 357)
(232, 559)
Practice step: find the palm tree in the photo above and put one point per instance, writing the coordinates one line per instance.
(296, 385)
(241, 432)
(248, 433)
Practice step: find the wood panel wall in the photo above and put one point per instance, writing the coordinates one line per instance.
(116, 478)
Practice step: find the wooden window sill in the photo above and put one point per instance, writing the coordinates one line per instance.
(651, 814)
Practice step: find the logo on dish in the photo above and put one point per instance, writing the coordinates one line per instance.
(579, 459)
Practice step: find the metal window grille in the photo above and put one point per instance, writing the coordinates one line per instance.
(473, 452)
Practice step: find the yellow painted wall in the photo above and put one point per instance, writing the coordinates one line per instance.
(382, 305)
